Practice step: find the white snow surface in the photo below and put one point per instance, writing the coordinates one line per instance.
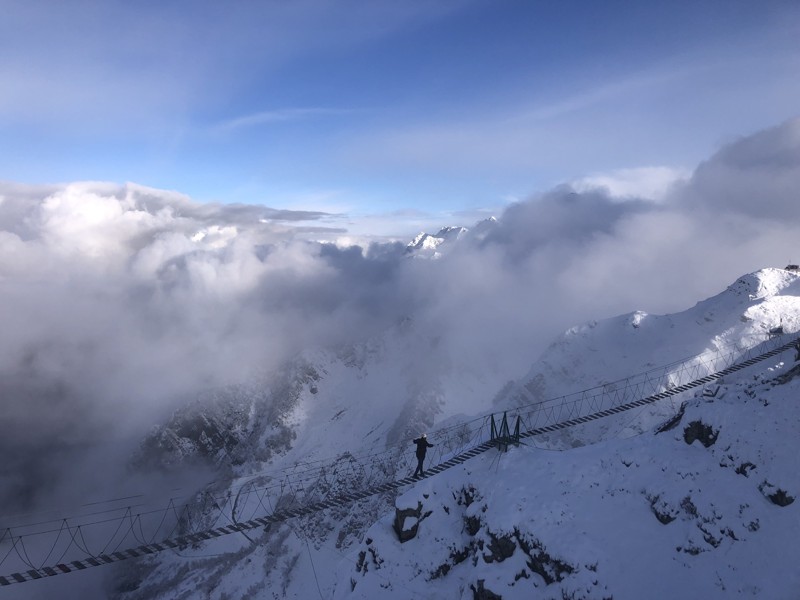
(592, 511)
(586, 518)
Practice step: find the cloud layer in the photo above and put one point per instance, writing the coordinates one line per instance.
(118, 300)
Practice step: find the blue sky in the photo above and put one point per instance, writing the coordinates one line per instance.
(403, 111)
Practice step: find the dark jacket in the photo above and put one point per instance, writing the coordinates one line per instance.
(422, 446)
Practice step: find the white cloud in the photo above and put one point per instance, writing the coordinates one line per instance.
(651, 183)
(123, 299)
(276, 116)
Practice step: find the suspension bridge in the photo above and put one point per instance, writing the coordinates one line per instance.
(123, 529)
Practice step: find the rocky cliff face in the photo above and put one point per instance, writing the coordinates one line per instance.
(234, 425)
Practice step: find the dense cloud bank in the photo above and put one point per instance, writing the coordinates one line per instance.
(117, 301)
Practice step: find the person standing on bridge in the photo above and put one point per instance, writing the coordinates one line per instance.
(422, 448)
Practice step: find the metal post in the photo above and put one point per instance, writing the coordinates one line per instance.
(502, 437)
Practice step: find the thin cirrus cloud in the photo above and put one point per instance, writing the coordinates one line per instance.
(162, 59)
(268, 117)
(672, 112)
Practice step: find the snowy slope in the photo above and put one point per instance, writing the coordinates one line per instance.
(579, 513)
(648, 517)
(601, 353)
(585, 522)
(660, 515)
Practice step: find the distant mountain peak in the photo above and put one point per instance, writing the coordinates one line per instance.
(427, 245)
(436, 245)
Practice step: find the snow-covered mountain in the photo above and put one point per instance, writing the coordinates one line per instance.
(602, 521)
(601, 353)
(426, 245)
(702, 506)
